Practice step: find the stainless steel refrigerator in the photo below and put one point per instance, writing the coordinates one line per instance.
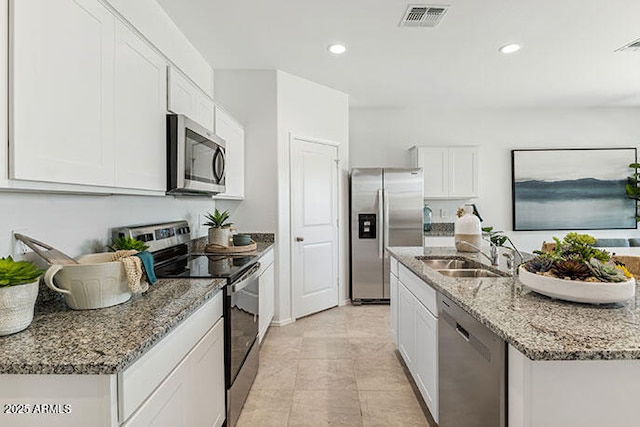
(386, 210)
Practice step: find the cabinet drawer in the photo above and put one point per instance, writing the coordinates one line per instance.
(139, 380)
(394, 266)
(423, 292)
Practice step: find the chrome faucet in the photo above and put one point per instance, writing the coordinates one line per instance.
(493, 257)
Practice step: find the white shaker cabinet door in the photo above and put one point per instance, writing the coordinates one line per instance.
(207, 391)
(463, 172)
(266, 301)
(186, 98)
(433, 161)
(406, 325)
(233, 133)
(62, 92)
(393, 287)
(140, 99)
(426, 357)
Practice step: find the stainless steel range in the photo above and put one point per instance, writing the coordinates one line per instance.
(169, 244)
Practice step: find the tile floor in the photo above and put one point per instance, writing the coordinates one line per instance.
(337, 367)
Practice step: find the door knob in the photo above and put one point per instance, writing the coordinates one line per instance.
(299, 239)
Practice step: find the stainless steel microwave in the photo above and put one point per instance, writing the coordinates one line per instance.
(195, 158)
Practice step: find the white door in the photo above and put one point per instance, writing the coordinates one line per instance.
(314, 226)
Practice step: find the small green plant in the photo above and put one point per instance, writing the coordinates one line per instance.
(494, 236)
(126, 242)
(575, 258)
(13, 273)
(217, 219)
(633, 185)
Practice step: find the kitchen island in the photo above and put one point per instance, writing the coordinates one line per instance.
(569, 364)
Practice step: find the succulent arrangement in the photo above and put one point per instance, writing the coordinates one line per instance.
(13, 273)
(217, 219)
(126, 242)
(575, 258)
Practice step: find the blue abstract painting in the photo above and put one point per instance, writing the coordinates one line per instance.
(572, 189)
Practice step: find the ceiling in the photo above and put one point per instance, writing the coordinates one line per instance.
(568, 57)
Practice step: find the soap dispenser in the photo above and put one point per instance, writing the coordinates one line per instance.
(427, 215)
(467, 231)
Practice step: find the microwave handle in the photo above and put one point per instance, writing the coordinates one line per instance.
(218, 155)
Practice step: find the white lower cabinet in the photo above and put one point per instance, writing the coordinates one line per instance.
(406, 325)
(266, 301)
(415, 305)
(179, 382)
(393, 288)
(193, 394)
(426, 356)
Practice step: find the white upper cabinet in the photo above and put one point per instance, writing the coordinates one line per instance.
(62, 105)
(186, 98)
(140, 107)
(233, 133)
(449, 172)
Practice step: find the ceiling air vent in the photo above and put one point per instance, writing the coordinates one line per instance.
(423, 15)
(634, 46)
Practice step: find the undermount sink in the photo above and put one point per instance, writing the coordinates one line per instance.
(467, 272)
(456, 267)
(448, 263)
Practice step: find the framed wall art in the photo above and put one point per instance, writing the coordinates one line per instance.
(572, 189)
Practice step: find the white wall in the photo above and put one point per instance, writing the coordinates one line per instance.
(272, 105)
(307, 109)
(250, 96)
(381, 137)
(80, 224)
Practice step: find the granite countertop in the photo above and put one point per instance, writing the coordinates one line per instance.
(106, 340)
(541, 328)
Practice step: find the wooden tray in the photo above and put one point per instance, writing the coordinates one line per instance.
(219, 249)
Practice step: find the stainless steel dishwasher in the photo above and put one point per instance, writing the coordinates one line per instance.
(471, 369)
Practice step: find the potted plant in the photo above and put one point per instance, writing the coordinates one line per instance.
(128, 243)
(576, 271)
(219, 228)
(18, 293)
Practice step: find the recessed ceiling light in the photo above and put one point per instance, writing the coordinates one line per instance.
(337, 48)
(510, 48)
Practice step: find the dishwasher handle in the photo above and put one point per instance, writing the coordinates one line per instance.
(469, 337)
(462, 332)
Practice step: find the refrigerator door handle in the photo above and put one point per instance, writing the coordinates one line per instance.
(380, 226)
(385, 196)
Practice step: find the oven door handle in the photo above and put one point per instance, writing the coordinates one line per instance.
(246, 279)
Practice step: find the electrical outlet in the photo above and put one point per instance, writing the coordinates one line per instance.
(19, 248)
(444, 213)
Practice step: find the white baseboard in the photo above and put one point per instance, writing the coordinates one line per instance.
(283, 322)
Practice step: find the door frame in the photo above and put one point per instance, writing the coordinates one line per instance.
(340, 266)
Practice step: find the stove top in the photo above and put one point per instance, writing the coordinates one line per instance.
(202, 265)
(168, 242)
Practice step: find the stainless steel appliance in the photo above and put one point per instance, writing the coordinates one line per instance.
(169, 244)
(471, 370)
(195, 158)
(386, 210)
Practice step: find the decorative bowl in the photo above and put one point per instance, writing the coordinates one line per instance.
(578, 291)
(241, 239)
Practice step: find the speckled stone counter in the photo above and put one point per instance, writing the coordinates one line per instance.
(107, 340)
(539, 327)
(103, 341)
